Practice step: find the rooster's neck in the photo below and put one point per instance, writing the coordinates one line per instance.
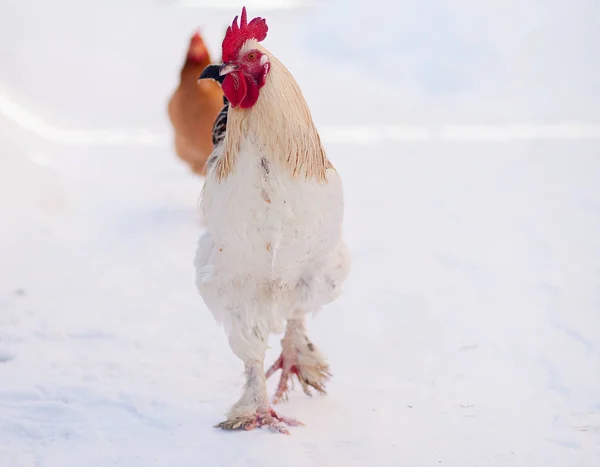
(280, 126)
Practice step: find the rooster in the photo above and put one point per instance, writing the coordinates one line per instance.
(273, 207)
(193, 108)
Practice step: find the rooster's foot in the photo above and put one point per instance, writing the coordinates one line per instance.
(302, 359)
(267, 418)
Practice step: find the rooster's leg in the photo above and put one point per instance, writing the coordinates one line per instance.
(253, 410)
(299, 357)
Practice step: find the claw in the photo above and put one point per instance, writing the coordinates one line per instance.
(278, 365)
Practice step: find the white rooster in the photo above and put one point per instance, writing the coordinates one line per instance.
(273, 207)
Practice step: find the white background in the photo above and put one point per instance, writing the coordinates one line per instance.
(467, 134)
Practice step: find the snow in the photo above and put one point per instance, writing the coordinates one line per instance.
(469, 330)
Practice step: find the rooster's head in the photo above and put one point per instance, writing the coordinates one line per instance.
(245, 67)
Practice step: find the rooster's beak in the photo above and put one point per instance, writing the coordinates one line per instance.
(227, 68)
(211, 72)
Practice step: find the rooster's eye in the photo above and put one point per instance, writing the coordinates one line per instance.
(251, 56)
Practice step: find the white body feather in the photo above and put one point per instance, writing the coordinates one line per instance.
(273, 246)
(260, 262)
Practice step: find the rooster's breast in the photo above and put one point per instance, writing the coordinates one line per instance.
(265, 222)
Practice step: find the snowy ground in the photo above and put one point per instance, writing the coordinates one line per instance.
(469, 331)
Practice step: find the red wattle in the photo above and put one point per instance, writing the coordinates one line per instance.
(240, 90)
(234, 87)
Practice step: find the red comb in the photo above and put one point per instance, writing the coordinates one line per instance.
(237, 35)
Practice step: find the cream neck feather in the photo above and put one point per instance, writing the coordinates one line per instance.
(281, 123)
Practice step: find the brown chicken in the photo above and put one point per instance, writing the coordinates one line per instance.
(193, 108)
